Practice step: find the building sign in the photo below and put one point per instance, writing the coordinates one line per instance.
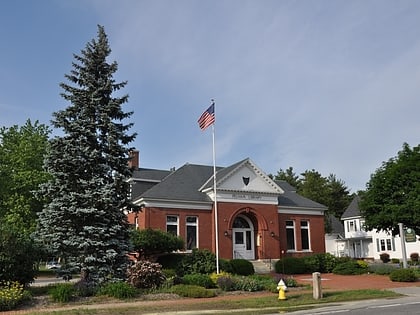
(410, 235)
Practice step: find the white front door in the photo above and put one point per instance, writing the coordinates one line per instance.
(243, 238)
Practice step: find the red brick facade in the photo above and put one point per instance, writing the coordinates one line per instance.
(269, 228)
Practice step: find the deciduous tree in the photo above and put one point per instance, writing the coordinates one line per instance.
(22, 152)
(393, 193)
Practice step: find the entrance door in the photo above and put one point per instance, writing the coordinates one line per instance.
(243, 238)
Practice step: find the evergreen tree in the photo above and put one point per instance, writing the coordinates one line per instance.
(289, 176)
(84, 223)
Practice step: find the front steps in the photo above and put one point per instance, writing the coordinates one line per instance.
(263, 266)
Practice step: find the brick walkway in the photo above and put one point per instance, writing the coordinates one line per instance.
(367, 281)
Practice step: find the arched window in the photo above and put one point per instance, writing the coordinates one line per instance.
(240, 223)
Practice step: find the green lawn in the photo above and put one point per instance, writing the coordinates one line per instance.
(247, 305)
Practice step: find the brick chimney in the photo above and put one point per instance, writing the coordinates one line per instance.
(133, 162)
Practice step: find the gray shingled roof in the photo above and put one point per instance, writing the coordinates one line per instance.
(337, 227)
(352, 210)
(182, 184)
(291, 199)
(149, 174)
(185, 184)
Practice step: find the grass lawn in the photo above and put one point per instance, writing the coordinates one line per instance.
(248, 305)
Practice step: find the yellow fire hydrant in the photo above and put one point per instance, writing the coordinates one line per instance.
(281, 286)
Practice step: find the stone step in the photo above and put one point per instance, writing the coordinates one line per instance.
(263, 266)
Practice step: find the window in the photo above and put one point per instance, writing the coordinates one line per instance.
(351, 226)
(241, 223)
(192, 235)
(304, 234)
(137, 222)
(385, 244)
(172, 224)
(290, 235)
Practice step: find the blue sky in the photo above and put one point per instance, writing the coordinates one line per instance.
(330, 85)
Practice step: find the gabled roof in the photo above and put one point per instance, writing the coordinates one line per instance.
(190, 182)
(337, 226)
(182, 184)
(352, 210)
(291, 199)
(145, 178)
(224, 175)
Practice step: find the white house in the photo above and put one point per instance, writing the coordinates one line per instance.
(359, 243)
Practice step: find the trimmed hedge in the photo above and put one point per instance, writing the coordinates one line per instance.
(403, 275)
(242, 267)
(350, 268)
(199, 279)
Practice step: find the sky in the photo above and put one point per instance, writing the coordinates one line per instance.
(328, 85)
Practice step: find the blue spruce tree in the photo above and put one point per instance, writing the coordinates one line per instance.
(84, 222)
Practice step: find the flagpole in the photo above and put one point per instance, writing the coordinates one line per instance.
(216, 222)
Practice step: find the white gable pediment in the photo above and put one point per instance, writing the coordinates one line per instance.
(248, 179)
(245, 182)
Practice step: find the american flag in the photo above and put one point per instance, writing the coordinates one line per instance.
(207, 118)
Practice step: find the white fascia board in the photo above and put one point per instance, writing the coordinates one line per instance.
(244, 197)
(175, 204)
(305, 211)
(353, 218)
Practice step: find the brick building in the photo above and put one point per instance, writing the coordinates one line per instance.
(257, 218)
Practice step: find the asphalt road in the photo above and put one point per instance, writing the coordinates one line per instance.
(408, 304)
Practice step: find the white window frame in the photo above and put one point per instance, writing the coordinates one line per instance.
(307, 229)
(191, 224)
(172, 223)
(288, 228)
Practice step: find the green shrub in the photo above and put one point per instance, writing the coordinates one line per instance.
(313, 263)
(171, 261)
(381, 269)
(152, 242)
(225, 265)
(119, 290)
(290, 283)
(145, 275)
(290, 265)
(403, 275)
(199, 261)
(226, 283)
(214, 276)
(384, 257)
(11, 295)
(199, 279)
(349, 268)
(192, 291)
(18, 255)
(395, 260)
(62, 292)
(247, 284)
(85, 287)
(362, 264)
(242, 267)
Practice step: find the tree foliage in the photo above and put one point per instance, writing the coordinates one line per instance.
(84, 223)
(393, 193)
(153, 242)
(329, 191)
(18, 255)
(22, 151)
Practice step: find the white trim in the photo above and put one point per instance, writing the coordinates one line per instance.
(305, 211)
(176, 204)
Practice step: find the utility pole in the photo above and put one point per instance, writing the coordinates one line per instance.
(404, 252)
